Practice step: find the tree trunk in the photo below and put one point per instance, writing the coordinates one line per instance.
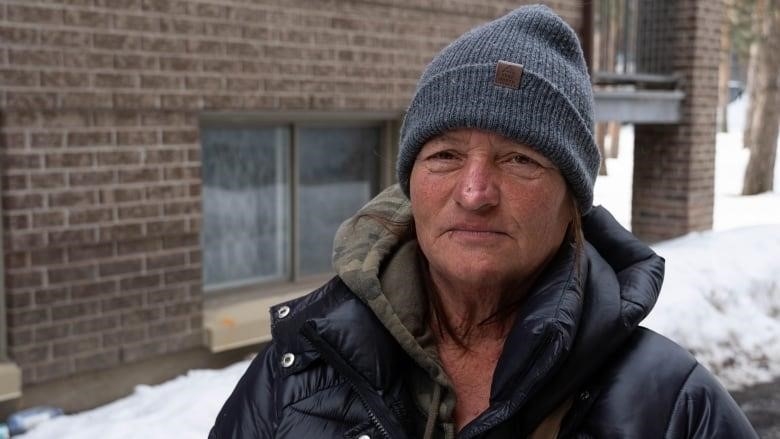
(614, 139)
(760, 6)
(724, 69)
(765, 121)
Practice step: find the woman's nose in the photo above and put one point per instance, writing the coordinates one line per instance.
(477, 186)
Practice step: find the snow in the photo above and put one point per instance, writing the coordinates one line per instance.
(720, 300)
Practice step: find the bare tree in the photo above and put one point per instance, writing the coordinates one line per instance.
(764, 116)
(755, 37)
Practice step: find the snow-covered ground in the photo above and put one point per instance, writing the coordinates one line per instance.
(721, 300)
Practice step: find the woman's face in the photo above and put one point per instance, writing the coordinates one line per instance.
(489, 212)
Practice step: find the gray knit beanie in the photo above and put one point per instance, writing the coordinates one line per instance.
(522, 76)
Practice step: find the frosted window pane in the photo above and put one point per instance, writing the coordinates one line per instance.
(338, 174)
(245, 205)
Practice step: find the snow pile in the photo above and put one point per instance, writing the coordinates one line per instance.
(721, 301)
(182, 408)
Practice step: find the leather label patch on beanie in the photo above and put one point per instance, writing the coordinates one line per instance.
(508, 74)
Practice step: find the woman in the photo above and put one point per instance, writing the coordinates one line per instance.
(483, 296)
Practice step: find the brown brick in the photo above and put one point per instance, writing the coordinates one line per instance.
(19, 202)
(114, 80)
(75, 236)
(185, 309)
(70, 159)
(116, 42)
(139, 246)
(140, 138)
(123, 336)
(137, 315)
(138, 282)
(168, 327)
(89, 138)
(26, 241)
(34, 14)
(121, 232)
(90, 252)
(126, 301)
(27, 318)
(163, 156)
(13, 260)
(71, 274)
(166, 227)
(13, 182)
(95, 324)
(35, 354)
(21, 161)
(88, 19)
(51, 332)
(66, 38)
(17, 35)
(167, 295)
(18, 78)
(73, 198)
(162, 44)
(92, 178)
(121, 267)
(140, 175)
(140, 211)
(45, 220)
(30, 99)
(90, 216)
(180, 276)
(206, 47)
(136, 100)
(121, 195)
(47, 180)
(18, 299)
(154, 262)
(188, 240)
(64, 118)
(74, 310)
(167, 192)
(88, 60)
(47, 140)
(178, 64)
(137, 22)
(51, 296)
(47, 256)
(183, 208)
(16, 222)
(97, 361)
(76, 346)
(20, 337)
(24, 279)
(135, 62)
(119, 157)
(164, 82)
(203, 83)
(92, 290)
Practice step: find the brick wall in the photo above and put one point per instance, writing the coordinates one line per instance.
(674, 165)
(99, 106)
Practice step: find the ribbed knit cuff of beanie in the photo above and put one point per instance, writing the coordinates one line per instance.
(522, 76)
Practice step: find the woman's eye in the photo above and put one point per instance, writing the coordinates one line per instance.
(521, 159)
(443, 155)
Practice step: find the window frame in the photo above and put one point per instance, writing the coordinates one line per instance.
(388, 124)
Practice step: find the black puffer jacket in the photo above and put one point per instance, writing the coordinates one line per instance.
(334, 370)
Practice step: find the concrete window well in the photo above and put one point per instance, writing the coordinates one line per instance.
(169, 169)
